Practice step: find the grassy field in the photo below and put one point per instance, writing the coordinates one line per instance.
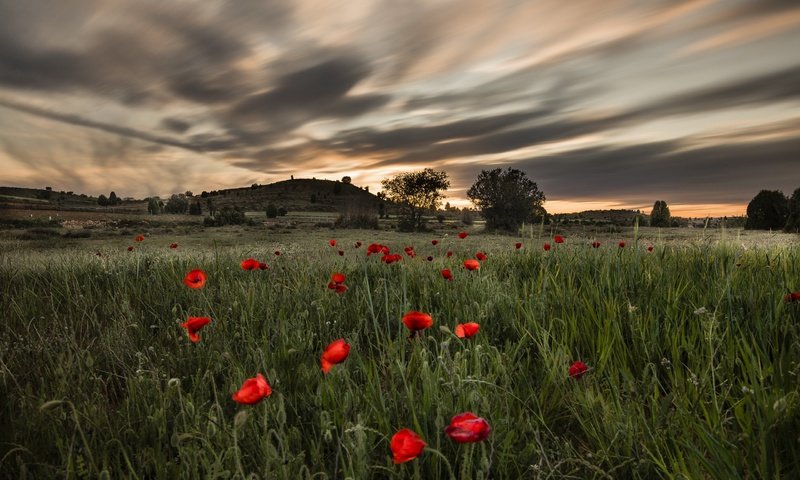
(693, 354)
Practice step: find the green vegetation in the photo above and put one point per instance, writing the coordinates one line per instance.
(694, 359)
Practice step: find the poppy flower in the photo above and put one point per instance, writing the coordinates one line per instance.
(449, 254)
(517, 245)
(262, 266)
(341, 253)
(339, 287)
(277, 253)
(139, 238)
(577, 369)
(336, 352)
(621, 244)
(130, 248)
(173, 245)
(546, 247)
(253, 390)
(391, 258)
(447, 274)
(358, 244)
(462, 235)
(558, 239)
(374, 248)
(792, 297)
(406, 446)
(480, 256)
(649, 248)
(249, 264)
(468, 428)
(195, 279)
(434, 242)
(416, 321)
(193, 325)
(338, 278)
(409, 251)
(472, 264)
(332, 242)
(595, 244)
(430, 258)
(467, 330)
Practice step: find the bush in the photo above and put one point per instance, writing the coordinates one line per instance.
(467, 218)
(272, 211)
(357, 220)
(226, 216)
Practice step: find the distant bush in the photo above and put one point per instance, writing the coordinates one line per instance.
(363, 220)
(226, 216)
(467, 218)
(272, 211)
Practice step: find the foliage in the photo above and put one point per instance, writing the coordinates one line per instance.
(767, 211)
(415, 193)
(507, 198)
(154, 206)
(282, 211)
(195, 208)
(102, 200)
(660, 216)
(272, 211)
(793, 216)
(113, 199)
(226, 216)
(177, 203)
(467, 218)
(357, 219)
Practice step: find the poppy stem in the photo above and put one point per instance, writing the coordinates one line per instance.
(446, 462)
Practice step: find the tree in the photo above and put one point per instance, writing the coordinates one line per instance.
(272, 211)
(153, 207)
(195, 208)
(102, 200)
(793, 219)
(414, 193)
(506, 197)
(177, 204)
(767, 211)
(211, 208)
(660, 216)
(113, 199)
(346, 179)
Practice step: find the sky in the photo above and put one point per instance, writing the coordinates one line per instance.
(604, 104)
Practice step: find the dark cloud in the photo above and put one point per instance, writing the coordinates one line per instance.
(175, 125)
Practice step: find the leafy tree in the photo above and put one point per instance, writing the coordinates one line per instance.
(793, 219)
(414, 193)
(102, 200)
(272, 211)
(195, 208)
(153, 207)
(346, 179)
(767, 211)
(506, 197)
(113, 199)
(177, 204)
(660, 216)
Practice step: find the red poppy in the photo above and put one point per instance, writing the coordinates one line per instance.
(336, 352)
(449, 254)
(595, 244)
(358, 244)
(195, 279)
(406, 446)
(277, 253)
(249, 264)
(467, 330)
(517, 245)
(130, 248)
(391, 258)
(577, 369)
(558, 239)
(332, 242)
(546, 247)
(193, 325)
(173, 245)
(462, 235)
(621, 244)
(468, 428)
(472, 264)
(341, 253)
(374, 248)
(430, 258)
(338, 278)
(253, 390)
(339, 287)
(384, 250)
(416, 321)
(649, 248)
(447, 274)
(262, 266)
(434, 242)
(410, 252)
(139, 238)
(480, 256)
(792, 297)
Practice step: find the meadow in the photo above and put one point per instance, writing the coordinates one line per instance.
(693, 356)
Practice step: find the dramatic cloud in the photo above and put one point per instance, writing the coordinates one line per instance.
(600, 102)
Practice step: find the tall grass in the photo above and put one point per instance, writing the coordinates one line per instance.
(694, 362)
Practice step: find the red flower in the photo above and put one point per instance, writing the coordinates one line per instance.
(467, 330)
(193, 325)
(336, 352)
(338, 278)
(480, 256)
(447, 274)
(341, 253)
(332, 242)
(621, 244)
(434, 242)
(449, 254)
(595, 244)
(262, 266)
(130, 248)
(416, 321)
(462, 235)
(249, 264)
(406, 446)
(546, 247)
(558, 239)
(173, 245)
(253, 390)
(517, 245)
(649, 248)
(139, 238)
(472, 264)
(391, 258)
(375, 248)
(277, 253)
(577, 369)
(195, 279)
(468, 428)
(792, 297)
(358, 244)
(339, 287)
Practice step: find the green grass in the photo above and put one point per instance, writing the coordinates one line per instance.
(694, 358)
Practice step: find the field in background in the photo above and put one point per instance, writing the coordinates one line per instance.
(694, 356)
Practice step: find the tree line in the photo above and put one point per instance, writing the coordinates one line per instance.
(772, 210)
